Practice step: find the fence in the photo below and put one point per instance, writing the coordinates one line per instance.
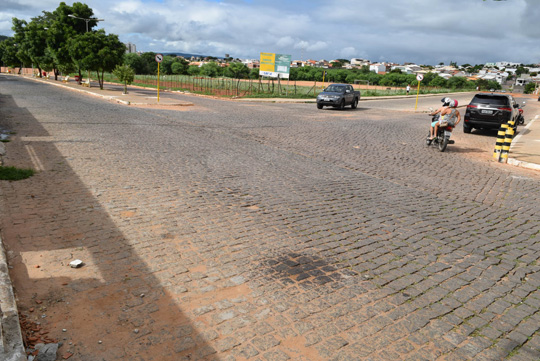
(245, 87)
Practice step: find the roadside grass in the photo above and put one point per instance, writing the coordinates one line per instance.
(12, 173)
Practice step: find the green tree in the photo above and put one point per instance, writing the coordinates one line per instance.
(457, 82)
(492, 84)
(64, 28)
(238, 71)
(211, 69)
(166, 65)
(149, 59)
(36, 43)
(521, 70)
(125, 74)
(194, 70)
(8, 53)
(180, 66)
(482, 84)
(529, 88)
(438, 81)
(98, 52)
(135, 62)
(19, 37)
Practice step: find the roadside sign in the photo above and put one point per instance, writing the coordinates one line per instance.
(419, 77)
(275, 65)
(159, 59)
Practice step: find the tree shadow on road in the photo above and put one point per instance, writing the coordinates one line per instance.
(118, 306)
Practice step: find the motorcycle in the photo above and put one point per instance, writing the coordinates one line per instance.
(444, 132)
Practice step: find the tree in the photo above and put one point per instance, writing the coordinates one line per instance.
(180, 66)
(8, 53)
(19, 38)
(521, 70)
(438, 81)
(97, 51)
(211, 69)
(482, 84)
(135, 62)
(36, 43)
(194, 70)
(238, 71)
(63, 29)
(529, 88)
(125, 74)
(149, 59)
(457, 82)
(166, 64)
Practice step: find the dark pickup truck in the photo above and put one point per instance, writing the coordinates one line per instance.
(338, 96)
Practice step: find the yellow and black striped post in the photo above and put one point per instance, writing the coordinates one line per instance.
(508, 136)
(500, 141)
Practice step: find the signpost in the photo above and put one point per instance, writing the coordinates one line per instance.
(419, 77)
(159, 59)
(275, 65)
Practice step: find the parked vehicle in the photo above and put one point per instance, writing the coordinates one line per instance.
(489, 111)
(338, 96)
(442, 138)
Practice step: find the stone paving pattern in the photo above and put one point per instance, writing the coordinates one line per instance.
(268, 232)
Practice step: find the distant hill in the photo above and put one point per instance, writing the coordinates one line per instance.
(187, 56)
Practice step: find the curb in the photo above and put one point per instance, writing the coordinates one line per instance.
(520, 163)
(11, 343)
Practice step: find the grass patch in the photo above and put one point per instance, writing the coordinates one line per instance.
(12, 173)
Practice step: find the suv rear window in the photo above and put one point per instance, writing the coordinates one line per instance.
(490, 99)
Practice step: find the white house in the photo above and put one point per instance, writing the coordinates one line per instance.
(359, 62)
(377, 68)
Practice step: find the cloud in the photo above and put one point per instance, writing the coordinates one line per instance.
(422, 31)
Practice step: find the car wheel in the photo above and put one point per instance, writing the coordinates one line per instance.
(354, 104)
(466, 128)
(319, 106)
(342, 104)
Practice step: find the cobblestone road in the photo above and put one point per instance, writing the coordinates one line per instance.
(232, 231)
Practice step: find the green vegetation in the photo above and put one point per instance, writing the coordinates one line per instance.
(62, 41)
(125, 74)
(530, 88)
(12, 173)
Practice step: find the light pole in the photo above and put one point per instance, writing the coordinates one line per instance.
(86, 21)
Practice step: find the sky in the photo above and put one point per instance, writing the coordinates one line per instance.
(415, 31)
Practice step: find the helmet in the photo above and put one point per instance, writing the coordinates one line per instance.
(453, 103)
(446, 101)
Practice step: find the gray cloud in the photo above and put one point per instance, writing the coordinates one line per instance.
(422, 31)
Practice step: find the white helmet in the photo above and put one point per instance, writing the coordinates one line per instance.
(446, 101)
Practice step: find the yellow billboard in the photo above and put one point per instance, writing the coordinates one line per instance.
(275, 65)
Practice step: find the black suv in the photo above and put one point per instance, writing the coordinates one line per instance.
(489, 111)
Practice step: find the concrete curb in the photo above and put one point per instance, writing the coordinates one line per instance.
(11, 343)
(520, 163)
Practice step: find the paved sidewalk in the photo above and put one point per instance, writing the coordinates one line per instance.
(525, 149)
(114, 92)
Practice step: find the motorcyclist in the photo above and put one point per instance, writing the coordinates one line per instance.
(446, 102)
(449, 115)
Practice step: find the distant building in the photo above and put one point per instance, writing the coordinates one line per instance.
(359, 62)
(378, 68)
(506, 64)
(130, 48)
